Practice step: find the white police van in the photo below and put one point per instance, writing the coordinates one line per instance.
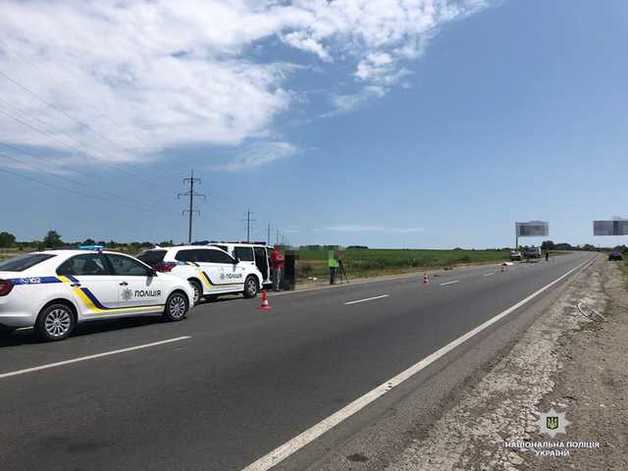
(253, 253)
(54, 290)
(209, 270)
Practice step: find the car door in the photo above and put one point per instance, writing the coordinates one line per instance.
(214, 272)
(226, 274)
(194, 258)
(92, 283)
(261, 260)
(136, 283)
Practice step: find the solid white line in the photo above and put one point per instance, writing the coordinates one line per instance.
(489, 274)
(367, 299)
(279, 454)
(91, 357)
(450, 283)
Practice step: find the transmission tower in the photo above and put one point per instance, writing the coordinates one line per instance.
(191, 194)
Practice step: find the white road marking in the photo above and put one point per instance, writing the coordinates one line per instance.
(279, 454)
(367, 299)
(450, 283)
(489, 274)
(91, 357)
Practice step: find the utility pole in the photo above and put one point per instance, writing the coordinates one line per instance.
(268, 234)
(191, 194)
(248, 222)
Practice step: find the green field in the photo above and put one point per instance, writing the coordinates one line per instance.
(373, 262)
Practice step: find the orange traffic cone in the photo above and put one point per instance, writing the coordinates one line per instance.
(265, 305)
(426, 279)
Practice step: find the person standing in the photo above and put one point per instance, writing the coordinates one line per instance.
(547, 255)
(277, 261)
(332, 263)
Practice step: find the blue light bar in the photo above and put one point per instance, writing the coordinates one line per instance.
(92, 247)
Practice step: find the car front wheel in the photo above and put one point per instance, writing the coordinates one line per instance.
(176, 307)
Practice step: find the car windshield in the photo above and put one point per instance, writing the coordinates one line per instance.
(24, 262)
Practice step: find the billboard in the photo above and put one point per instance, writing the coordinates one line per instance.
(615, 227)
(532, 229)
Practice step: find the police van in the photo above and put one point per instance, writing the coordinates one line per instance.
(54, 290)
(209, 270)
(253, 253)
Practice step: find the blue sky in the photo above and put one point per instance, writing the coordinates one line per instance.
(395, 123)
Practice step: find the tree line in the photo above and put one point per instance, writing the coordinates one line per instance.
(53, 240)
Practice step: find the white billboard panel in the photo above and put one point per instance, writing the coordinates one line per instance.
(532, 229)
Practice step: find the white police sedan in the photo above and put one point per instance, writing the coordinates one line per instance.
(54, 290)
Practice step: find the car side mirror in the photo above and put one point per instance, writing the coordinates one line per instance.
(236, 260)
(152, 272)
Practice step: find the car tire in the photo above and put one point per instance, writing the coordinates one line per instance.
(198, 291)
(251, 286)
(176, 307)
(55, 322)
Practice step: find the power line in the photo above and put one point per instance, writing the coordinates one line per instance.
(80, 122)
(76, 147)
(191, 194)
(56, 187)
(64, 113)
(63, 177)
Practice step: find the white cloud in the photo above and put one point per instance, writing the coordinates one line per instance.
(351, 102)
(257, 154)
(369, 228)
(152, 75)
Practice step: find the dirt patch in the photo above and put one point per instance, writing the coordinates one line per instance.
(568, 361)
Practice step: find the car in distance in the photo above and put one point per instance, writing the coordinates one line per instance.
(532, 252)
(209, 270)
(615, 256)
(515, 255)
(54, 290)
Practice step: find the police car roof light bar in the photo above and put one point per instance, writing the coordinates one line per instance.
(98, 248)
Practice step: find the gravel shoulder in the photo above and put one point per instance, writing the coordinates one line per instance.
(571, 360)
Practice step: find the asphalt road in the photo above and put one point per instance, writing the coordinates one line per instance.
(237, 382)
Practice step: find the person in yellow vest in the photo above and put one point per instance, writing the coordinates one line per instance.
(332, 263)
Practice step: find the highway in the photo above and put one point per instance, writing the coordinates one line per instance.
(230, 384)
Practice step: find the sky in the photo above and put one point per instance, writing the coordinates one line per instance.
(387, 123)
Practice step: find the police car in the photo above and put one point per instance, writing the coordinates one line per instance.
(53, 290)
(209, 270)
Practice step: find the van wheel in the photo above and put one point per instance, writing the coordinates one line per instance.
(198, 291)
(55, 322)
(251, 287)
(176, 307)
